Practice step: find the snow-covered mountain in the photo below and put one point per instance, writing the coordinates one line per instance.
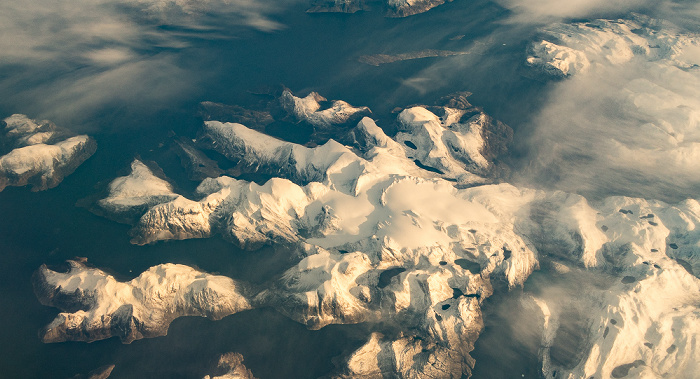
(39, 153)
(383, 238)
(97, 306)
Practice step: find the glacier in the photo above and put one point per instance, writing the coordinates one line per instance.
(411, 233)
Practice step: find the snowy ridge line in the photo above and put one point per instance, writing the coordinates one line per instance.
(650, 247)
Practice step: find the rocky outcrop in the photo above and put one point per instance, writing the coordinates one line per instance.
(231, 367)
(99, 373)
(405, 8)
(380, 59)
(98, 306)
(326, 118)
(286, 114)
(254, 119)
(392, 8)
(39, 153)
(395, 233)
(337, 6)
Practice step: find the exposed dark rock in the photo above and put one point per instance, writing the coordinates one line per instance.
(380, 59)
(404, 8)
(337, 6)
(195, 162)
(253, 119)
(686, 265)
(466, 264)
(231, 366)
(392, 8)
(623, 370)
(386, 276)
(99, 373)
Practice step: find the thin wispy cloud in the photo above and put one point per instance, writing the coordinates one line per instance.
(546, 10)
(70, 57)
(629, 124)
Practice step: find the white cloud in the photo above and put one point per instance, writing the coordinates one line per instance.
(539, 10)
(69, 56)
(109, 56)
(252, 13)
(631, 123)
(682, 12)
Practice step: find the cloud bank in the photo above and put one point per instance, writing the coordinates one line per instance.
(63, 58)
(544, 11)
(627, 121)
(539, 10)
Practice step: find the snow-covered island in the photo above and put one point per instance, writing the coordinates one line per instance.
(412, 233)
(97, 306)
(39, 153)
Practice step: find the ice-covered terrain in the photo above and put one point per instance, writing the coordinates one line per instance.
(131, 195)
(393, 232)
(103, 372)
(568, 49)
(308, 109)
(98, 306)
(39, 153)
(641, 314)
(623, 116)
(453, 138)
(324, 119)
(311, 181)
